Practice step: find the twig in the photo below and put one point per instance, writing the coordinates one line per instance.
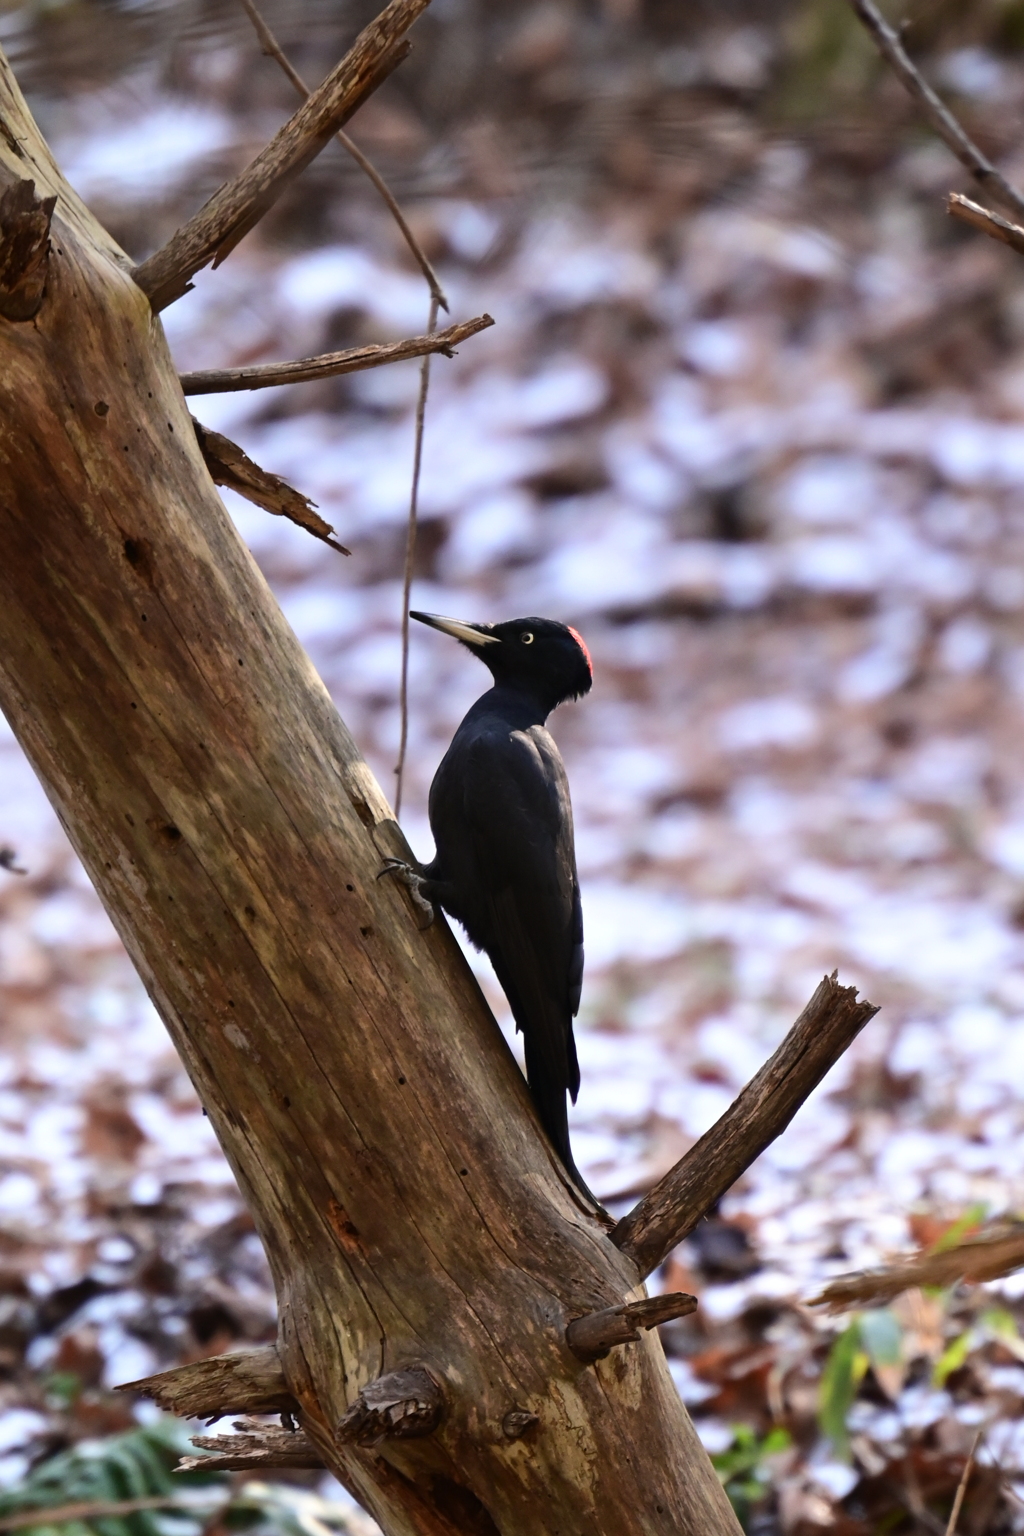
(954, 1513)
(935, 110)
(410, 556)
(230, 465)
(984, 219)
(830, 1023)
(60, 1514)
(213, 232)
(327, 365)
(273, 50)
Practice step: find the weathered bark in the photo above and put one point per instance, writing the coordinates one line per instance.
(381, 1134)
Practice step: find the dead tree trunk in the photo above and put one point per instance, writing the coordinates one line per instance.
(427, 1251)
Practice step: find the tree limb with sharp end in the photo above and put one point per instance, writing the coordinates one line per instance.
(460, 1340)
(952, 133)
(237, 207)
(273, 50)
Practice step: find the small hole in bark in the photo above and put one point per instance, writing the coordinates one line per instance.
(144, 619)
(286, 1102)
(366, 932)
(350, 887)
(132, 551)
(129, 819)
(250, 912)
(101, 407)
(402, 1081)
(171, 833)
(463, 1172)
(231, 1002)
(135, 706)
(169, 427)
(241, 663)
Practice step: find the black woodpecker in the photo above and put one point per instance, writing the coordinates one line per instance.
(505, 865)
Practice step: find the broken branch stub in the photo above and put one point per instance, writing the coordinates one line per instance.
(231, 466)
(829, 1024)
(24, 249)
(244, 1381)
(213, 232)
(403, 1405)
(989, 223)
(593, 1337)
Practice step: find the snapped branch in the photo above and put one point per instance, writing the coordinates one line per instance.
(273, 50)
(934, 109)
(829, 1024)
(984, 219)
(243, 1381)
(213, 232)
(327, 365)
(231, 466)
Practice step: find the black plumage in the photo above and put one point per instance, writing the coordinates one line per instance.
(505, 864)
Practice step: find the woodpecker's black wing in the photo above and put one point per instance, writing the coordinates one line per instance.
(502, 820)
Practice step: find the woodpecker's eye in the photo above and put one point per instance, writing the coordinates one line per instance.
(527, 639)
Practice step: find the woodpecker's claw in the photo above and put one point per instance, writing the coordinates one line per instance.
(414, 882)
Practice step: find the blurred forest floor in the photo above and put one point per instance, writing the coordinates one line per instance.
(750, 418)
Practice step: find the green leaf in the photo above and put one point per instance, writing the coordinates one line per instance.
(843, 1373)
(952, 1357)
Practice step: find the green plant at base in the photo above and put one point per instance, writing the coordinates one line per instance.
(743, 1467)
(138, 1464)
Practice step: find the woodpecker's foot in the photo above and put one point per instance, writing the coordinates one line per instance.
(414, 883)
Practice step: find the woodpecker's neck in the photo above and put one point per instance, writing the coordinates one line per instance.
(519, 706)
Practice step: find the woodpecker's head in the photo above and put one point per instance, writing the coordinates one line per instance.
(539, 656)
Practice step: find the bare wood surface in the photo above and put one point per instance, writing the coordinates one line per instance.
(405, 1405)
(213, 381)
(24, 249)
(593, 1337)
(984, 219)
(934, 109)
(830, 1023)
(242, 1381)
(258, 1448)
(273, 50)
(230, 465)
(379, 1128)
(213, 233)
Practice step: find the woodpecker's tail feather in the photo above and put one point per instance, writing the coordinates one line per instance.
(549, 1098)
